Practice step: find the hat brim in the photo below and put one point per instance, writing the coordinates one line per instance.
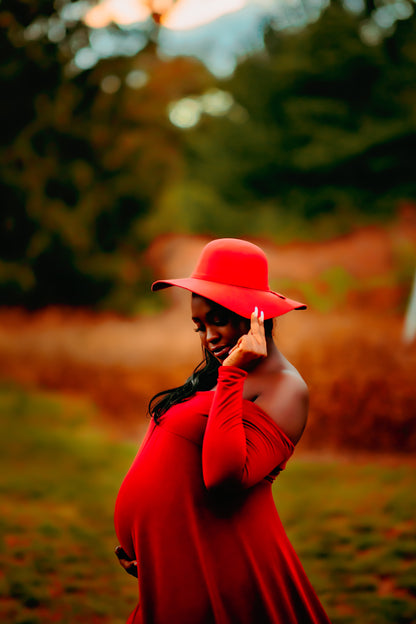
(238, 299)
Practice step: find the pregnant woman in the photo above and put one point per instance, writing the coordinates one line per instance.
(195, 515)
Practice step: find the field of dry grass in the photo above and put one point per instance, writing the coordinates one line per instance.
(348, 345)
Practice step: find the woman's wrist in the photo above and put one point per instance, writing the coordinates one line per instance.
(227, 371)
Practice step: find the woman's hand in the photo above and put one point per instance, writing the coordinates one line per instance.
(130, 565)
(250, 347)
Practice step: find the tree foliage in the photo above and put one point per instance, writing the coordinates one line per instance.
(329, 126)
(91, 168)
(84, 157)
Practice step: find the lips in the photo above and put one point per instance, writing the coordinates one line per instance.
(221, 352)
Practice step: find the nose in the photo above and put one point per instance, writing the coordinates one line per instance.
(212, 334)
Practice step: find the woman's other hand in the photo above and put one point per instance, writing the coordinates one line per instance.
(130, 565)
(250, 347)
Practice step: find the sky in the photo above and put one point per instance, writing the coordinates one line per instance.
(176, 15)
(217, 32)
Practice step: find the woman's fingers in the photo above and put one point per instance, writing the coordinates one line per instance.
(131, 568)
(257, 322)
(130, 565)
(257, 331)
(250, 347)
(254, 322)
(121, 553)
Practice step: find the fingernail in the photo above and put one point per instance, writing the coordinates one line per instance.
(262, 316)
(256, 311)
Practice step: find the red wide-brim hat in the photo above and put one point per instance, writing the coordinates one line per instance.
(234, 274)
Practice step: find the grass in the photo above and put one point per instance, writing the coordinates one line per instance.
(352, 525)
(58, 481)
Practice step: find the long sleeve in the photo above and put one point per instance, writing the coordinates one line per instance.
(242, 444)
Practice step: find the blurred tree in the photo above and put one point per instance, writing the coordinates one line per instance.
(84, 156)
(329, 125)
(92, 169)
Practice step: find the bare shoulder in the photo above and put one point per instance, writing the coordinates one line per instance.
(285, 398)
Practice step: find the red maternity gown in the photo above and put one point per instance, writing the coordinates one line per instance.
(196, 510)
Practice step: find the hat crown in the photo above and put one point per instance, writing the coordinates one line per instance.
(234, 262)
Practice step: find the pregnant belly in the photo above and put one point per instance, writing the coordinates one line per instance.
(132, 507)
(143, 498)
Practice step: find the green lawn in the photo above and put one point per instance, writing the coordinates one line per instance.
(354, 529)
(352, 525)
(58, 481)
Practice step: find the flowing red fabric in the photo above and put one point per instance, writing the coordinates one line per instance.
(196, 511)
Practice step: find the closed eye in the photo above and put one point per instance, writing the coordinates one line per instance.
(219, 320)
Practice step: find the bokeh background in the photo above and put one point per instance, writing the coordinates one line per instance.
(135, 131)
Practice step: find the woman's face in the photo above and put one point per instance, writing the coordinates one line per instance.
(218, 328)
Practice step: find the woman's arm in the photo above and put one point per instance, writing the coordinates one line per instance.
(284, 395)
(240, 451)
